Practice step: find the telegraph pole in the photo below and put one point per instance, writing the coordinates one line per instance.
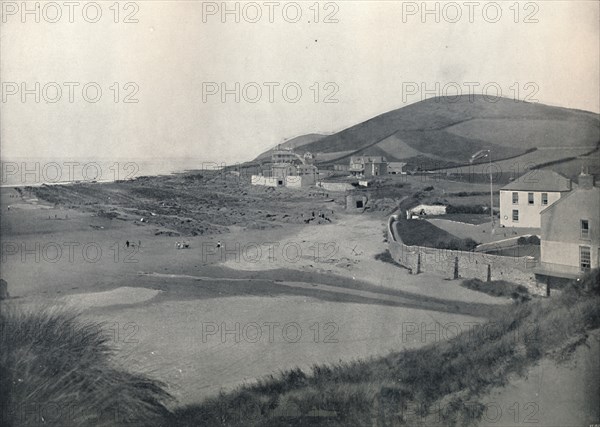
(491, 191)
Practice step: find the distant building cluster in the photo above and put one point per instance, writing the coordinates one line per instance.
(288, 169)
(370, 166)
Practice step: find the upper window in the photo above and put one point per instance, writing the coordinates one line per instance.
(585, 229)
(515, 198)
(544, 198)
(530, 198)
(515, 215)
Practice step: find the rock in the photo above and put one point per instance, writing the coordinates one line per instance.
(4, 290)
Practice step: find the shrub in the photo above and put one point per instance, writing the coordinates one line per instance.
(498, 288)
(385, 256)
(528, 240)
(468, 209)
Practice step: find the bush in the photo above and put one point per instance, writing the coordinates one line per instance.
(589, 284)
(528, 240)
(385, 256)
(498, 288)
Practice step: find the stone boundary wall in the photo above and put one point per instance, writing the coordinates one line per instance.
(452, 264)
(267, 181)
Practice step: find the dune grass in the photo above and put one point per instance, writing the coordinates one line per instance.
(55, 369)
(410, 387)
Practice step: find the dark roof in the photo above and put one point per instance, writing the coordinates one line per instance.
(540, 180)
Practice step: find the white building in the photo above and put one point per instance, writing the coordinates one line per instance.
(570, 235)
(522, 201)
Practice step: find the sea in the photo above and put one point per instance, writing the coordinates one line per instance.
(21, 171)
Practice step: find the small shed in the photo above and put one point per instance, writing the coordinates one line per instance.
(356, 202)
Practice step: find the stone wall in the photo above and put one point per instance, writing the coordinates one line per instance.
(264, 180)
(463, 265)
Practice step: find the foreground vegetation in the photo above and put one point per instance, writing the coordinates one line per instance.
(436, 384)
(55, 370)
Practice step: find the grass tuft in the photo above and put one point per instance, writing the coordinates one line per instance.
(55, 369)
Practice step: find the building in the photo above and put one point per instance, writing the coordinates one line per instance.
(356, 202)
(423, 209)
(283, 155)
(343, 168)
(288, 175)
(522, 200)
(396, 168)
(283, 170)
(368, 166)
(570, 234)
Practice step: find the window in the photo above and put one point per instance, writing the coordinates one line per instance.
(585, 229)
(515, 197)
(584, 258)
(530, 198)
(544, 198)
(515, 215)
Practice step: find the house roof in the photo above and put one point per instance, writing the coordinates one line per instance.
(540, 180)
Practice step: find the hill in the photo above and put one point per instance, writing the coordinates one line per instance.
(293, 143)
(445, 132)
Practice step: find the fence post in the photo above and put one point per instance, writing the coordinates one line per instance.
(455, 268)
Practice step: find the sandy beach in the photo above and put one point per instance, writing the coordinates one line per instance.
(206, 319)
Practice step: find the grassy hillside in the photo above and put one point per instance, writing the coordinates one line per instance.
(446, 132)
(293, 143)
(407, 388)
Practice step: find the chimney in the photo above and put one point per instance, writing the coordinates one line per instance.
(586, 181)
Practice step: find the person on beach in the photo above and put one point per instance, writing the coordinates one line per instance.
(127, 243)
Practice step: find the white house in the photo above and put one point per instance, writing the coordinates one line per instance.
(570, 235)
(522, 201)
(396, 168)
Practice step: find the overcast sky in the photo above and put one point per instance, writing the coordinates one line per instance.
(370, 57)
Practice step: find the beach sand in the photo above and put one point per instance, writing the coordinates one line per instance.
(161, 305)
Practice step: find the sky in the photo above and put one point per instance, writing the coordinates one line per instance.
(341, 63)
